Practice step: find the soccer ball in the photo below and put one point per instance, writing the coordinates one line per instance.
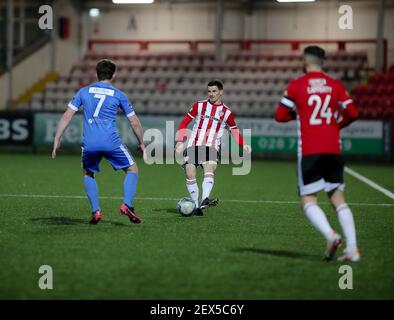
(186, 207)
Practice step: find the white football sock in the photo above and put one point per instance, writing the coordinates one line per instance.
(207, 184)
(346, 221)
(192, 187)
(318, 219)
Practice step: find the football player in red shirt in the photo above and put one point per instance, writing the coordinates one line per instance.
(322, 108)
(211, 117)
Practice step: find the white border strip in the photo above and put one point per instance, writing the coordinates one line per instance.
(70, 105)
(175, 199)
(369, 182)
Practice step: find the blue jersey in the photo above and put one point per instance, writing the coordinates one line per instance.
(100, 102)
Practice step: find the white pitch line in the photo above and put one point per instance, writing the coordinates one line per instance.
(175, 199)
(369, 182)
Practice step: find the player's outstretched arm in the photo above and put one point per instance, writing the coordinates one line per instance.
(63, 123)
(240, 140)
(138, 131)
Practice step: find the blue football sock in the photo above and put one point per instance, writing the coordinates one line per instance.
(91, 190)
(130, 187)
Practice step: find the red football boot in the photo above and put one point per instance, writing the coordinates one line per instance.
(96, 217)
(129, 212)
(332, 245)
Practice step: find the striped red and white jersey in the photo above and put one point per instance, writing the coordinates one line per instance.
(210, 122)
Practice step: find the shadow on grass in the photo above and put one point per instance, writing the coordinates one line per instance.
(281, 253)
(70, 221)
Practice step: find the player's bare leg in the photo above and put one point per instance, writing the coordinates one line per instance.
(345, 217)
(319, 220)
(191, 184)
(91, 190)
(130, 187)
(207, 185)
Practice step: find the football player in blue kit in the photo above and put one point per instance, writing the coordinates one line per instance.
(100, 102)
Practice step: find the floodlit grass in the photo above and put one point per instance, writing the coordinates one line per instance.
(238, 250)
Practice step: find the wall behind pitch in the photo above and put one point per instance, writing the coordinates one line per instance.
(318, 20)
(197, 21)
(38, 64)
(67, 51)
(157, 21)
(25, 74)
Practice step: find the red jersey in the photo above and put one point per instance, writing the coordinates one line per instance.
(322, 107)
(210, 122)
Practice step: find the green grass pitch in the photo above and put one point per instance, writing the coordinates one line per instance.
(239, 250)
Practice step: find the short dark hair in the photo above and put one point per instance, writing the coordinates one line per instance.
(315, 51)
(217, 83)
(105, 69)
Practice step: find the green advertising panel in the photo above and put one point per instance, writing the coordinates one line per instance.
(46, 125)
(268, 136)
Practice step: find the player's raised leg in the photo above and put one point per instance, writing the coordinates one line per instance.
(207, 184)
(191, 182)
(345, 217)
(92, 192)
(319, 220)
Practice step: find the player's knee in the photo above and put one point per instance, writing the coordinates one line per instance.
(336, 197)
(89, 174)
(338, 204)
(210, 166)
(190, 174)
(132, 169)
(308, 199)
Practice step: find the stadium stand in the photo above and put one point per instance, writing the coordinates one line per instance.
(375, 99)
(168, 83)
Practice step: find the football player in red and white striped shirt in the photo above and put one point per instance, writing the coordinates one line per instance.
(322, 108)
(211, 118)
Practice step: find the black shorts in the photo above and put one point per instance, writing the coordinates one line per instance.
(320, 172)
(198, 155)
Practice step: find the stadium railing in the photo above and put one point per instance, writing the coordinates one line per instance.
(243, 45)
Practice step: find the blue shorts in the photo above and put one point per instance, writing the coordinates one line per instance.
(120, 158)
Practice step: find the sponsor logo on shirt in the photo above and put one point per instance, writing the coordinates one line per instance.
(318, 86)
